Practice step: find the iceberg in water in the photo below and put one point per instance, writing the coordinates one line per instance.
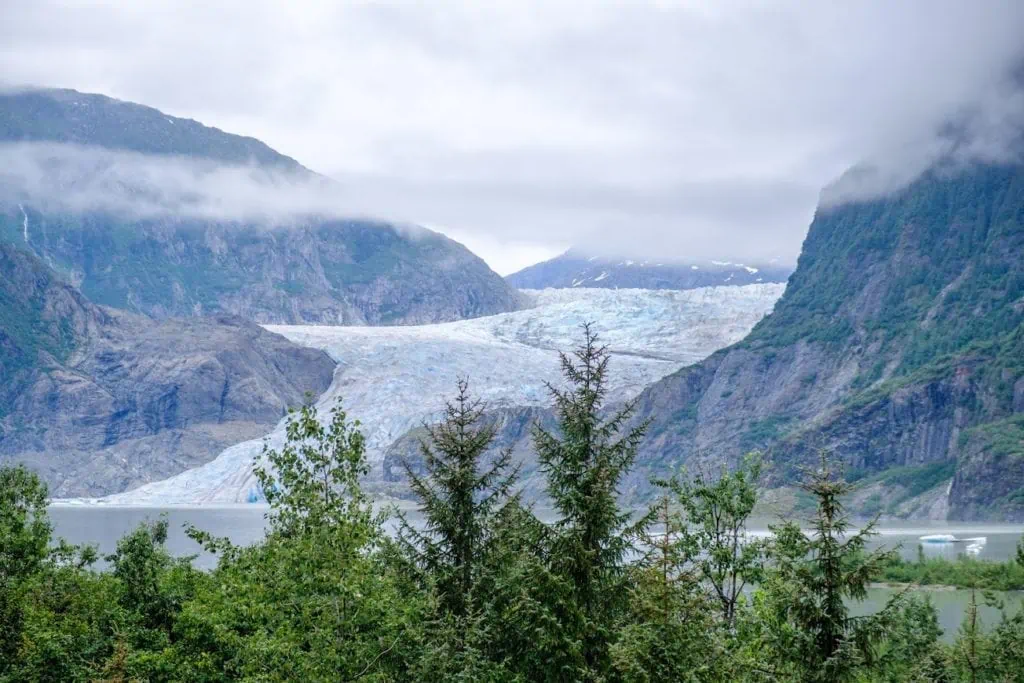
(938, 538)
(950, 538)
(972, 546)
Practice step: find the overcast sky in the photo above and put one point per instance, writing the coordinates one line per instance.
(686, 129)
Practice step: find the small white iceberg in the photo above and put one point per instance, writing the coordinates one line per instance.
(950, 538)
(938, 538)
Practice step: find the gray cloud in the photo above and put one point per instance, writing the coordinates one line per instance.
(988, 130)
(702, 129)
(60, 177)
(66, 177)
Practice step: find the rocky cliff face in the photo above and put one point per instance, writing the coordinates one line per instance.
(166, 217)
(897, 346)
(576, 268)
(99, 400)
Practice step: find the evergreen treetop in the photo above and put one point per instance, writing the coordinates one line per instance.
(584, 463)
(460, 496)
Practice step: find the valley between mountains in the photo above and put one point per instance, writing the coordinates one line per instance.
(155, 327)
(393, 379)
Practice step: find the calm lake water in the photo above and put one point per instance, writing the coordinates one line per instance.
(245, 524)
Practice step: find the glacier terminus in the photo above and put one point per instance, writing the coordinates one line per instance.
(393, 379)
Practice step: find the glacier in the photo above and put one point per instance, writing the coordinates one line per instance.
(392, 379)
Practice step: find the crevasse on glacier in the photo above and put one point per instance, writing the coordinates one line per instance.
(393, 378)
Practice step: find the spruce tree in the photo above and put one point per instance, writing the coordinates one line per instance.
(584, 463)
(669, 630)
(459, 496)
(804, 597)
(969, 651)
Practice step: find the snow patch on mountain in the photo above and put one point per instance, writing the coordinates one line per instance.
(577, 269)
(393, 378)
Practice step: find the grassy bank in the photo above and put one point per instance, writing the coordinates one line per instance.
(963, 572)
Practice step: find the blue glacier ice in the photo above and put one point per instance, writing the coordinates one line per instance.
(393, 378)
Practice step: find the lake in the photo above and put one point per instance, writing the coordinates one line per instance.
(245, 524)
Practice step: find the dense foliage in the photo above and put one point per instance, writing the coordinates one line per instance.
(162, 267)
(484, 591)
(27, 330)
(963, 572)
(959, 232)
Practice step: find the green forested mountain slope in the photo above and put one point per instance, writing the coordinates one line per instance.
(899, 345)
(314, 271)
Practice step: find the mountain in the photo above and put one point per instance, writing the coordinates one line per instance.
(319, 271)
(98, 400)
(166, 217)
(68, 116)
(898, 346)
(575, 268)
(392, 379)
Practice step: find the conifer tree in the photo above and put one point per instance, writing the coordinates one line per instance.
(969, 651)
(459, 496)
(804, 598)
(584, 463)
(668, 633)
